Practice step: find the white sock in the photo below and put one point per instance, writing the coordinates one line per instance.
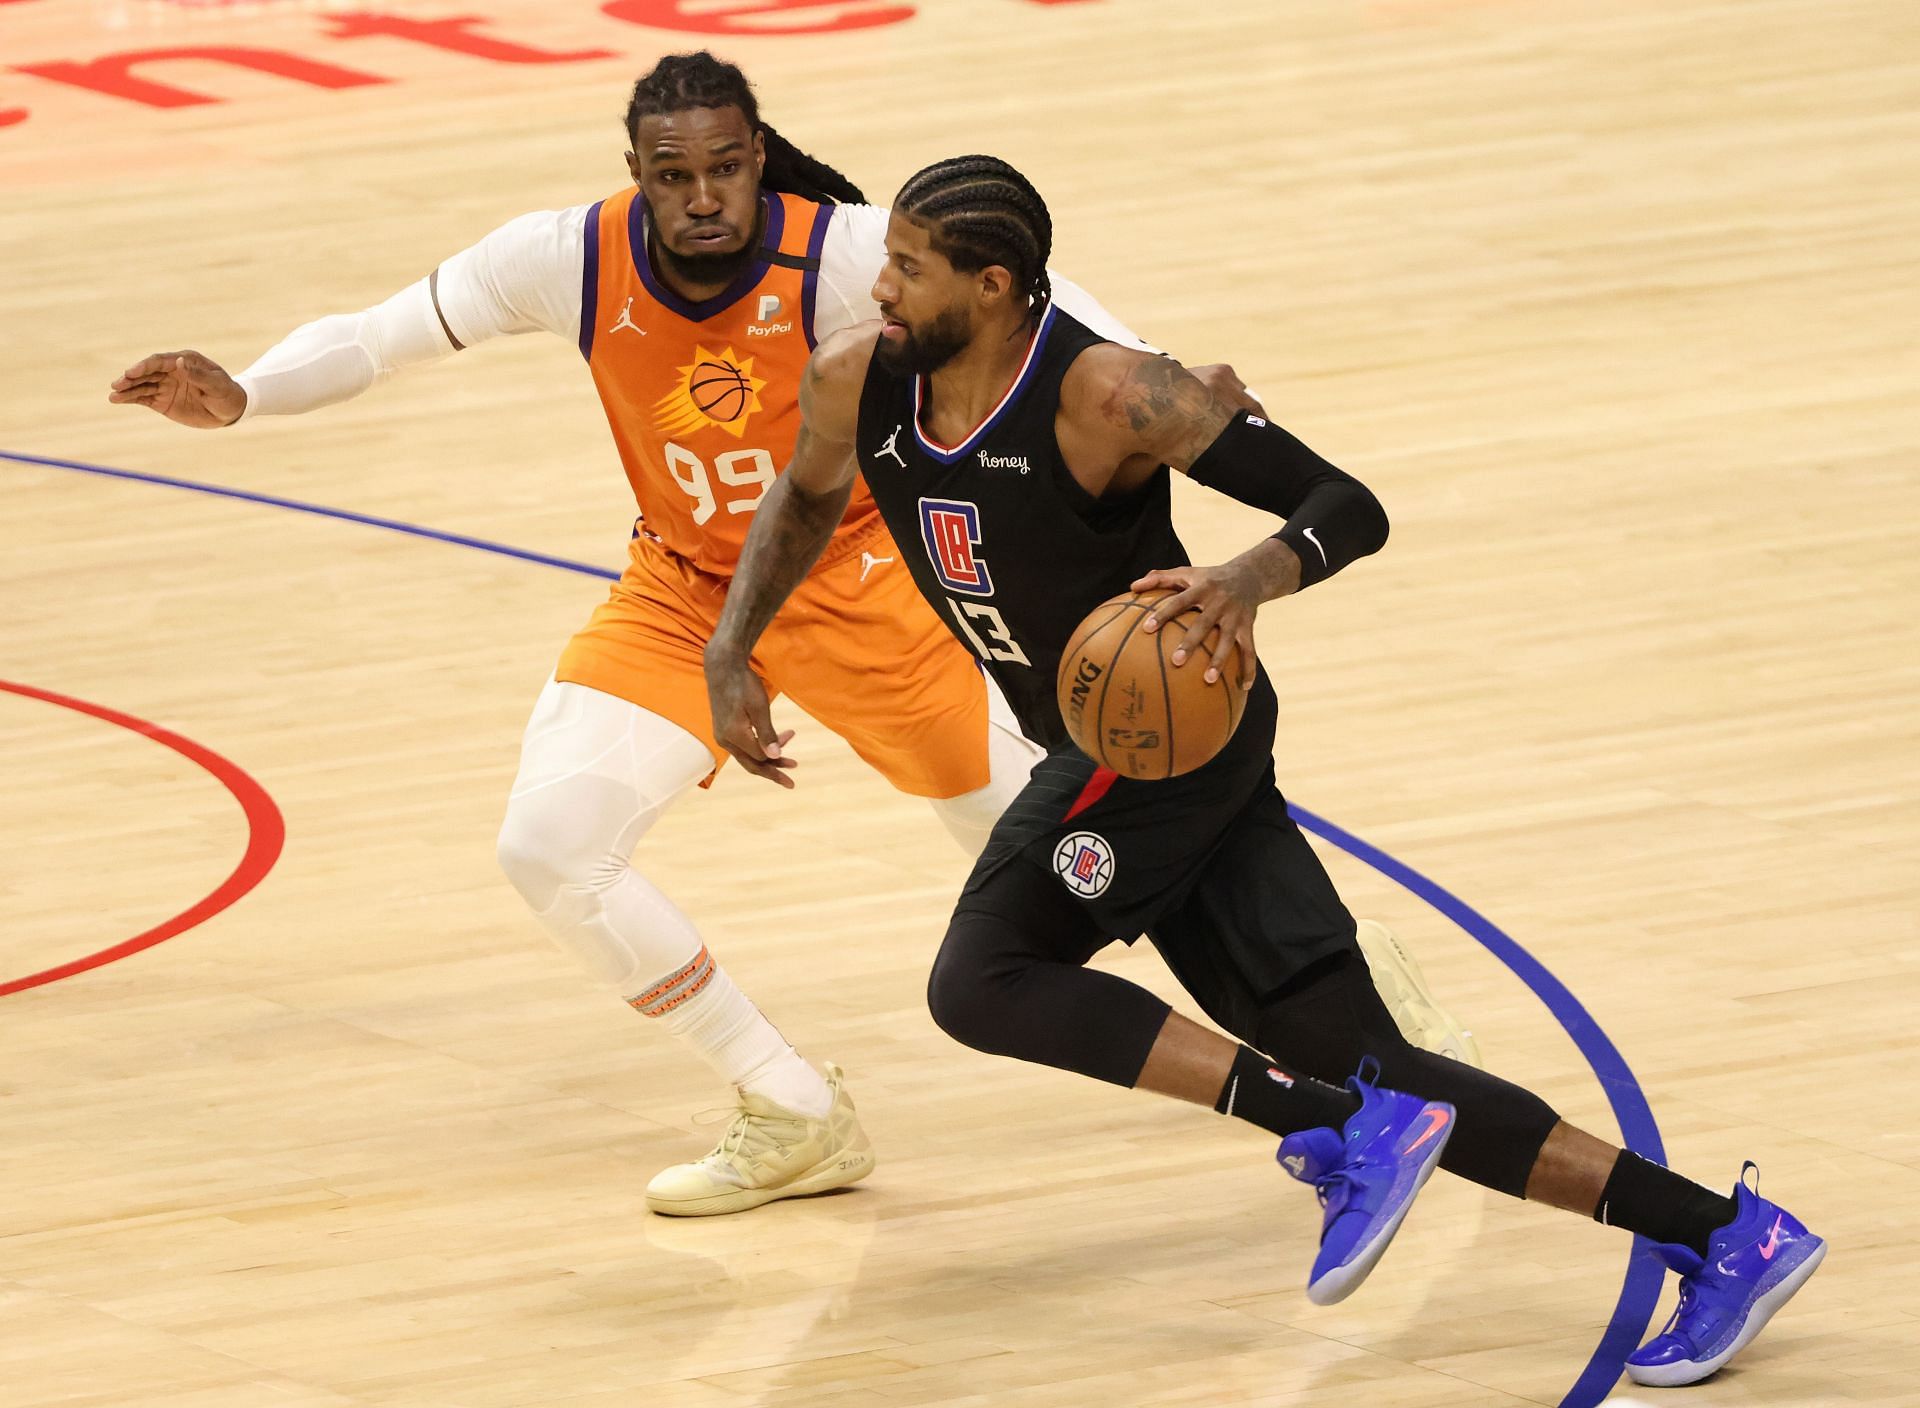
(704, 1008)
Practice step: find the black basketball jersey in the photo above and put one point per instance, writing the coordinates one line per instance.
(1009, 549)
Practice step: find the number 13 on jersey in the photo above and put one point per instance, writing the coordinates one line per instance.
(950, 529)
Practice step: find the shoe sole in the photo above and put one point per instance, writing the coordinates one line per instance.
(1343, 1281)
(1376, 940)
(847, 1166)
(1691, 1371)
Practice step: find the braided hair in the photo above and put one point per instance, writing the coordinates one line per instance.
(699, 80)
(979, 211)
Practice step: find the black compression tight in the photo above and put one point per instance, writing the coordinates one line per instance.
(1020, 990)
(1330, 1017)
(1012, 981)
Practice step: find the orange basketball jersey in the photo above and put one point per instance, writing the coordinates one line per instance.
(703, 398)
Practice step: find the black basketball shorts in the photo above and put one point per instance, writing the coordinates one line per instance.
(1208, 865)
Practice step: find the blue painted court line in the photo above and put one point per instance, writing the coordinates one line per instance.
(392, 525)
(1639, 1132)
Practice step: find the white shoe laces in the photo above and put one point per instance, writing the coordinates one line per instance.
(745, 1130)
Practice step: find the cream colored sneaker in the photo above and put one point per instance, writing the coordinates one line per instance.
(767, 1153)
(1421, 1019)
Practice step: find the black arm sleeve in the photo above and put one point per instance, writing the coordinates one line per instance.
(1332, 518)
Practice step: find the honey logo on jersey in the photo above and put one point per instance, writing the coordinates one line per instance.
(716, 389)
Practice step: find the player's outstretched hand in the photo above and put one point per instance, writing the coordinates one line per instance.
(182, 386)
(1226, 597)
(743, 721)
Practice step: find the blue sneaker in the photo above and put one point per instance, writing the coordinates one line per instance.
(1753, 1266)
(1366, 1179)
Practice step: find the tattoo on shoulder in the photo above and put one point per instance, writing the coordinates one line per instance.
(1162, 401)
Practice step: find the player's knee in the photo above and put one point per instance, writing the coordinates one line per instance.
(956, 1000)
(528, 860)
(966, 991)
(969, 818)
(554, 839)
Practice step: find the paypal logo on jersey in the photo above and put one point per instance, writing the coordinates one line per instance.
(951, 531)
(763, 324)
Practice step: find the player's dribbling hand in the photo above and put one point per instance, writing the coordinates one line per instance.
(1226, 598)
(743, 721)
(185, 387)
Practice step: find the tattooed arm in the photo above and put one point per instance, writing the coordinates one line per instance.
(791, 528)
(1123, 414)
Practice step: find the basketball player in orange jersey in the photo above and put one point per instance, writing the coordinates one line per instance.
(695, 295)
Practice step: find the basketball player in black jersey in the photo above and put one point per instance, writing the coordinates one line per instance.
(1023, 466)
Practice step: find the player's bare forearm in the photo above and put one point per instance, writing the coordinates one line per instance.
(791, 528)
(793, 524)
(806, 503)
(1270, 568)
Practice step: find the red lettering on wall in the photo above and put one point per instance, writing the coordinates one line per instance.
(759, 16)
(453, 34)
(113, 73)
(9, 116)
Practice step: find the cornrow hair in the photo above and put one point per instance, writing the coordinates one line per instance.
(980, 211)
(699, 80)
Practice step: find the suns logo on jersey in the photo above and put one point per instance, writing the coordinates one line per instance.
(715, 389)
(951, 531)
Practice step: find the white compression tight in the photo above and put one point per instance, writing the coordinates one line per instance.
(595, 773)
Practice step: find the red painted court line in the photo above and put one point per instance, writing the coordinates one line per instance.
(266, 835)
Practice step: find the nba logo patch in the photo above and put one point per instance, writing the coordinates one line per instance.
(1085, 862)
(950, 529)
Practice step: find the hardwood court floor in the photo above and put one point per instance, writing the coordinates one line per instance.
(1612, 302)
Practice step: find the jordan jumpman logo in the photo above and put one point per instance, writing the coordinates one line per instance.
(626, 321)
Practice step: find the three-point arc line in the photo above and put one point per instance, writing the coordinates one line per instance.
(1639, 1132)
(266, 835)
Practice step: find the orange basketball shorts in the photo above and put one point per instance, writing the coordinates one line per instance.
(856, 646)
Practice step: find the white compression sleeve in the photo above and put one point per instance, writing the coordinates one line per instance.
(523, 277)
(338, 357)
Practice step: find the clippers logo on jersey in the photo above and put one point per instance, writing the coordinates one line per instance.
(1085, 862)
(716, 389)
(951, 528)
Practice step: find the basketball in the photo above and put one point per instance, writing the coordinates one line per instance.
(719, 390)
(1126, 703)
